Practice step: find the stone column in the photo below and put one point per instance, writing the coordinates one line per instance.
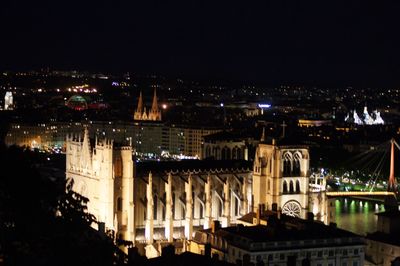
(150, 209)
(127, 194)
(207, 216)
(244, 209)
(227, 205)
(189, 209)
(169, 220)
(246, 153)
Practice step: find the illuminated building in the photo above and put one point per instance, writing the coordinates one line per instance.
(151, 201)
(283, 241)
(229, 145)
(162, 201)
(149, 139)
(44, 136)
(141, 114)
(77, 102)
(281, 176)
(367, 119)
(314, 123)
(8, 101)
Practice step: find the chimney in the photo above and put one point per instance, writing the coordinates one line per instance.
(258, 214)
(215, 226)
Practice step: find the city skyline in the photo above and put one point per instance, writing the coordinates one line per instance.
(353, 44)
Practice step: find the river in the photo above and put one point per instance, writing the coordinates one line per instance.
(357, 216)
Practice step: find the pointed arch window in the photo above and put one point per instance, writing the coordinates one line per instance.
(287, 164)
(298, 186)
(285, 187)
(291, 187)
(296, 164)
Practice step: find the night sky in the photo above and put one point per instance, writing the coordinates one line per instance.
(312, 42)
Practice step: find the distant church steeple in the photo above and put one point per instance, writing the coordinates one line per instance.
(155, 113)
(141, 113)
(139, 108)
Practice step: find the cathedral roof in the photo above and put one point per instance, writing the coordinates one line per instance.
(143, 168)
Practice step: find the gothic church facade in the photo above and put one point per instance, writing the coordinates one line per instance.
(150, 201)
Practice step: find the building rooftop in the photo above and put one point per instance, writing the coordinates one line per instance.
(283, 233)
(143, 168)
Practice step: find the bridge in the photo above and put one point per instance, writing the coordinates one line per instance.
(392, 190)
(359, 193)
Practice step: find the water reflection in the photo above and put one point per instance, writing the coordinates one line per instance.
(357, 216)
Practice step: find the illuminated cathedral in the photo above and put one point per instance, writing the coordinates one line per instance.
(141, 113)
(167, 201)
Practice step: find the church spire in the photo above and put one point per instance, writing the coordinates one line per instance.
(139, 108)
(141, 114)
(86, 154)
(154, 106)
(155, 113)
(140, 103)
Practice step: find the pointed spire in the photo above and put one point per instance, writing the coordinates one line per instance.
(154, 106)
(140, 103)
(263, 135)
(139, 108)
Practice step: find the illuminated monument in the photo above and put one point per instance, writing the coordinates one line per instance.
(366, 118)
(142, 115)
(166, 201)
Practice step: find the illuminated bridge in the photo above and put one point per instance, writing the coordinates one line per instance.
(359, 193)
(392, 184)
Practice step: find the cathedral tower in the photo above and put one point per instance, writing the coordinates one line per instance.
(280, 176)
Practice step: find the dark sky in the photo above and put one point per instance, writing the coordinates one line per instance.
(315, 42)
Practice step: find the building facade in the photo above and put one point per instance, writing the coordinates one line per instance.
(284, 241)
(155, 200)
(150, 139)
(281, 176)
